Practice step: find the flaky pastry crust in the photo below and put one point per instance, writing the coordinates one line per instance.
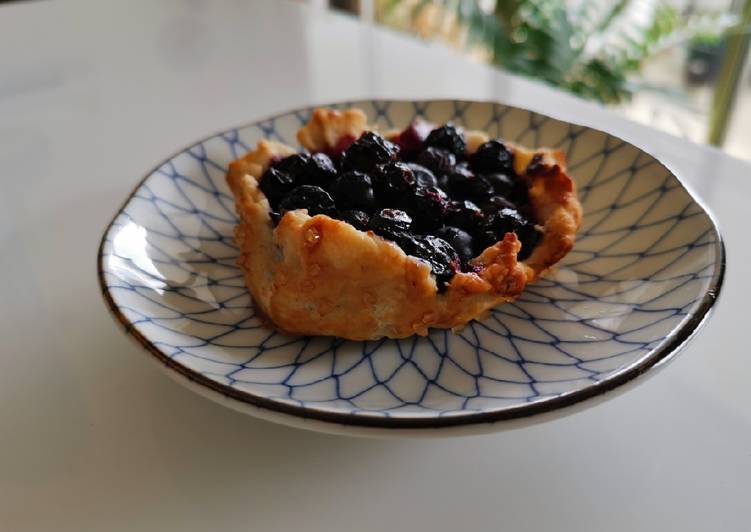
(321, 276)
(327, 128)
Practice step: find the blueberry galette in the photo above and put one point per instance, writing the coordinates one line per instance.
(367, 235)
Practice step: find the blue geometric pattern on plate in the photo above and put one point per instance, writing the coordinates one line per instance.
(645, 270)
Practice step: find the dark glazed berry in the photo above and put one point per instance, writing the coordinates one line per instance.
(275, 185)
(505, 221)
(496, 204)
(354, 190)
(443, 183)
(520, 194)
(412, 138)
(423, 176)
(455, 178)
(428, 207)
(503, 184)
(391, 223)
(294, 165)
(367, 152)
(307, 169)
(443, 259)
(448, 138)
(511, 221)
(437, 160)
(321, 170)
(493, 156)
(529, 240)
(314, 199)
(460, 240)
(465, 215)
(464, 184)
(394, 183)
(357, 219)
(478, 188)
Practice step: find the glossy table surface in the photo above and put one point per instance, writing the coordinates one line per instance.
(94, 437)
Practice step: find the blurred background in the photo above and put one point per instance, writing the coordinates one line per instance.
(677, 65)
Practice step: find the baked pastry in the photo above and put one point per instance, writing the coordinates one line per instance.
(365, 236)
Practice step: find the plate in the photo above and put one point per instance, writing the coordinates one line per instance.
(642, 277)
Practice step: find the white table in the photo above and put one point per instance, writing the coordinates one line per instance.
(93, 437)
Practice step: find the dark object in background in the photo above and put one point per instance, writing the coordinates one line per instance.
(353, 6)
(703, 62)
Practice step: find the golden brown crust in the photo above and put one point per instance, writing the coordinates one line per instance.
(317, 275)
(255, 163)
(328, 126)
(552, 194)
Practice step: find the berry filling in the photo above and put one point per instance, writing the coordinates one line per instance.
(448, 138)
(421, 191)
(367, 152)
(411, 140)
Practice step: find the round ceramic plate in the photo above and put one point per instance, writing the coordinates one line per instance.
(645, 271)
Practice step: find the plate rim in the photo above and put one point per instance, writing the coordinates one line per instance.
(658, 357)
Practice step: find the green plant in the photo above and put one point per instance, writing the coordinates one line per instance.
(592, 49)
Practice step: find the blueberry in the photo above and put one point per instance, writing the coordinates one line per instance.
(460, 240)
(505, 221)
(514, 190)
(294, 165)
(310, 197)
(357, 219)
(529, 239)
(464, 184)
(517, 195)
(391, 223)
(526, 210)
(511, 221)
(454, 179)
(423, 176)
(354, 190)
(443, 182)
(275, 184)
(321, 170)
(367, 152)
(394, 182)
(509, 186)
(428, 206)
(448, 138)
(437, 160)
(493, 156)
(443, 259)
(520, 193)
(478, 188)
(503, 184)
(495, 204)
(307, 169)
(465, 215)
